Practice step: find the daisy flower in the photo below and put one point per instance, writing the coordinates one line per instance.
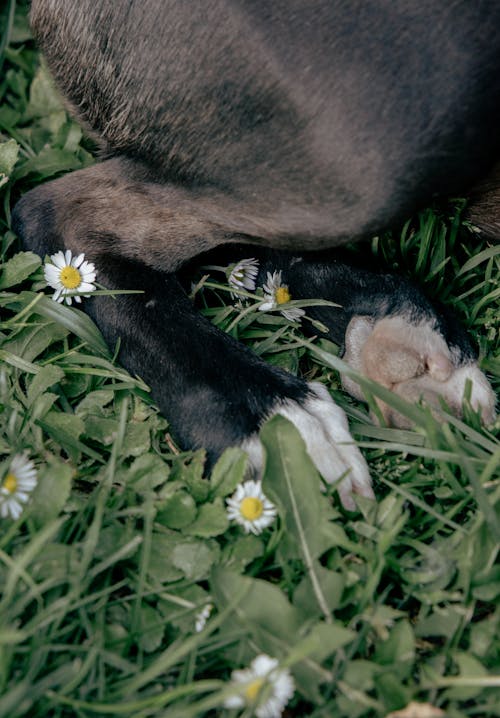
(276, 294)
(243, 275)
(16, 486)
(264, 684)
(202, 617)
(69, 276)
(250, 508)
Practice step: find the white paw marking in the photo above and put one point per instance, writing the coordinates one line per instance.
(443, 376)
(323, 426)
(482, 396)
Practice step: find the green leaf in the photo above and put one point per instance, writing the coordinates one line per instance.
(52, 491)
(195, 558)
(48, 162)
(180, 605)
(392, 691)
(161, 569)
(44, 98)
(398, 650)
(57, 561)
(94, 400)
(190, 471)
(73, 319)
(9, 152)
(443, 621)
(242, 551)
(105, 430)
(264, 608)
(19, 268)
(117, 542)
(469, 667)
(147, 472)
(228, 472)
(177, 556)
(65, 429)
(46, 377)
(292, 481)
(211, 520)
(137, 439)
(31, 341)
(277, 628)
(151, 628)
(319, 644)
(359, 674)
(332, 586)
(177, 511)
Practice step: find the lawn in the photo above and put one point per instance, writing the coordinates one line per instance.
(124, 588)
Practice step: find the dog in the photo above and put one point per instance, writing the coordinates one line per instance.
(292, 128)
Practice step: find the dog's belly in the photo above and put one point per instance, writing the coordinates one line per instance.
(304, 124)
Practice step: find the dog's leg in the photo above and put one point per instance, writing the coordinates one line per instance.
(214, 391)
(484, 209)
(391, 333)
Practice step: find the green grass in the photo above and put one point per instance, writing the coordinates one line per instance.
(123, 542)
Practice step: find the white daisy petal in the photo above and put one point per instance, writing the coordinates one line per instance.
(58, 259)
(263, 685)
(273, 283)
(263, 663)
(22, 496)
(14, 509)
(250, 508)
(51, 273)
(277, 296)
(293, 314)
(87, 268)
(243, 274)
(202, 617)
(16, 486)
(70, 276)
(267, 306)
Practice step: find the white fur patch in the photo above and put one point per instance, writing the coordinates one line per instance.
(323, 426)
(443, 376)
(482, 396)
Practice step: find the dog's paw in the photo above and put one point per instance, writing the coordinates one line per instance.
(323, 426)
(414, 361)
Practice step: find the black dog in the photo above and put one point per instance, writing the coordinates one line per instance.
(282, 124)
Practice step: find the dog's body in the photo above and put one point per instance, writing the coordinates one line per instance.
(287, 124)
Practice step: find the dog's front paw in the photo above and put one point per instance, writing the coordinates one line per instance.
(323, 426)
(415, 362)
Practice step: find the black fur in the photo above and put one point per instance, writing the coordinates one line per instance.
(360, 291)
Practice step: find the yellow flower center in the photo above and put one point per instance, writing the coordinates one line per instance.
(251, 508)
(10, 483)
(282, 295)
(70, 277)
(253, 689)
